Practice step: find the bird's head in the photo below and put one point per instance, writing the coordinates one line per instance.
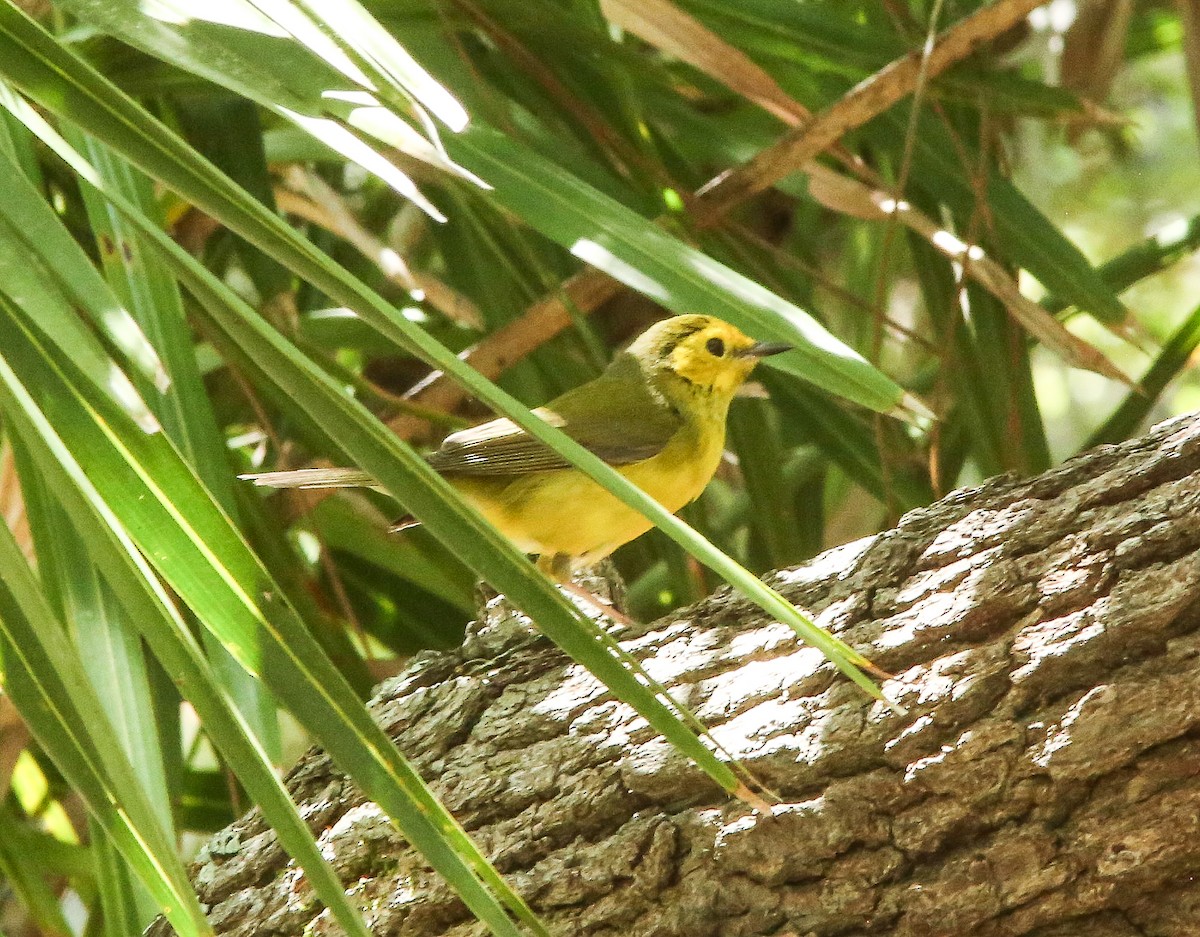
(700, 354)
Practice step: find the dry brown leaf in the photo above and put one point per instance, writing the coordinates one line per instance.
(1033, 318)
(1094, 46)
(12, 505)
(843, 194)
(1189, 16)
(676, 32)
(14, 737)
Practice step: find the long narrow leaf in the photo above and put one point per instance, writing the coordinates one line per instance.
(33, 280)
(32, 59)
(146, 602)
(60, 707)
(21, 871)
(1157, 252)
(111, 652)
(1171, 360)
(152, 297)
(594, 227)
(43, 237)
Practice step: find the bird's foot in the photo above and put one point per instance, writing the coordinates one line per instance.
(598, 591)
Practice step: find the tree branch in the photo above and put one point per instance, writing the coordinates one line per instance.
(1045, 636)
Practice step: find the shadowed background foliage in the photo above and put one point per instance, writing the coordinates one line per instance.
(252, 235)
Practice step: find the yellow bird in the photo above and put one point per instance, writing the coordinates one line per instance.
(656, 414)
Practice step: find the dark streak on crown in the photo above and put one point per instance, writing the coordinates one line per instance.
(669, 347)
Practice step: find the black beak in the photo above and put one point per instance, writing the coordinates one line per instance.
(765, 349)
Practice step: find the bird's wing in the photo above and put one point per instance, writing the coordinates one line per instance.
(620, 421)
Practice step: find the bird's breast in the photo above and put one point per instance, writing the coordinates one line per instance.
(677, 475)
(564, 511)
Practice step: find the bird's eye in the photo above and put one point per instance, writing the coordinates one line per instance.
(715, 346)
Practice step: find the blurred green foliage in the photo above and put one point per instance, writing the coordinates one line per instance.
(1077, 180)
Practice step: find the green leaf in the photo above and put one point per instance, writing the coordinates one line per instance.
(351, 26)
(240, 44)
(755, 438)
(1174, 357)
(228, 131)
(1001, 350)
(21, 871)
(849, 443)
(111, 652)
(58, 703)
(149, 291)
(1157, 252)
(592, 226)
(204, 805)
(77, 92)
(343, 527)
(44, 271)
(135, 584)
(118, 897)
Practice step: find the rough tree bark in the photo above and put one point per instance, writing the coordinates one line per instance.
(1045, 781)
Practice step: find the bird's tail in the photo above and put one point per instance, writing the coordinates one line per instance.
(312, 478)
(326, 478)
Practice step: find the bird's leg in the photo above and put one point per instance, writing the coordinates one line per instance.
(587, 583)
(603, 581)
(555, 565)
(604, 607)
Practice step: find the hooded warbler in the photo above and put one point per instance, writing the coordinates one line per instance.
(656, 415)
